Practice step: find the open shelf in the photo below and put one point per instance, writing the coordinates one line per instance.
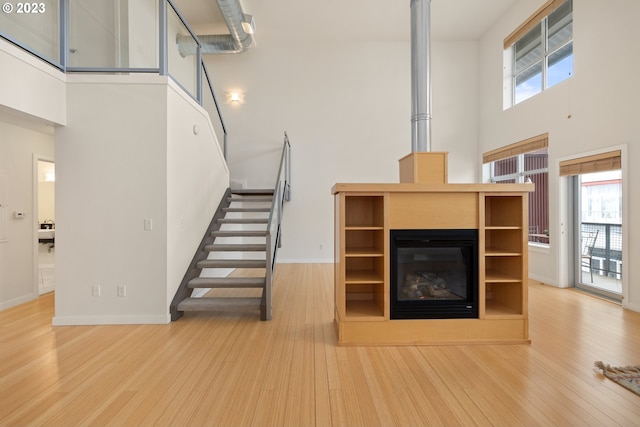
(364, 242)
(364, 310)
(503, 211)
(503, 299)
(364, 269)
(503, 268)
(503, 241)
(364, 212)
(505, 246)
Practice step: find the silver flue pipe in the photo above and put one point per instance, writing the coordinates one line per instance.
(420, 75)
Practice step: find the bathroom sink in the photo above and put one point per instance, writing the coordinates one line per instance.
(46, 234)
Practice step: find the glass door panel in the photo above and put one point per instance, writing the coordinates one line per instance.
(598, 233)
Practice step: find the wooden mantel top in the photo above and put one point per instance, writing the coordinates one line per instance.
(431, 188)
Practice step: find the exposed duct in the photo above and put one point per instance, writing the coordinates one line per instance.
(420, 75)
(241, 27)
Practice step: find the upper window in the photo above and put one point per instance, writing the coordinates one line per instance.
(542, 50)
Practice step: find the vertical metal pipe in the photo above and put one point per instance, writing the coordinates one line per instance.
(420, 75)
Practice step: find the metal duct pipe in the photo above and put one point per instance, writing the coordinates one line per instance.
(240, 25)
(420, 75)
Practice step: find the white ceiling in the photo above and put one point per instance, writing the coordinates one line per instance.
(352, 19)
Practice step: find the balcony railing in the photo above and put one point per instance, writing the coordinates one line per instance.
(103, 36)
(607, 252)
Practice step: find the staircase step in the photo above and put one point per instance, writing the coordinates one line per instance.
(232, 263)
(250, 199)
(227, 282)
(239, 233)
(246, 209)
(253, 192)
(218, 304)
(219, 247)
(243, 220)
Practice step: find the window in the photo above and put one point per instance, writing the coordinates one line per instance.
(526, 161)
(542, 50)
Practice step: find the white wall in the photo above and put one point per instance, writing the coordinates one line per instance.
(110, 177)
(18, 144)
(197, 177)
(347, 109)
(121, 160)
(31, 100)
(595, 110)
(30, 86)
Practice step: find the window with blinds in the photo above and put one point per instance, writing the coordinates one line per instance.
(542, 50)
(603, 162)
(526, 161)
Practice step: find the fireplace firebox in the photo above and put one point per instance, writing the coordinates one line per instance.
(434, 274)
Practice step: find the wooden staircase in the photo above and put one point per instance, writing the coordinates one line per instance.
(236, 241)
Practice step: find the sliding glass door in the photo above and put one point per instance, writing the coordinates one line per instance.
(598, 232)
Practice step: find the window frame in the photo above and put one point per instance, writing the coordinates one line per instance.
(540, 21)
(519, 150)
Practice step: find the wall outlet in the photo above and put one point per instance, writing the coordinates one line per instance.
(122, 290)
(95, 290)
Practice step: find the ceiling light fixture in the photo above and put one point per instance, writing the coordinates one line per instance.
(235, 97)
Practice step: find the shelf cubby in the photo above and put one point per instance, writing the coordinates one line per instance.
(503, 299)
(503, 268)
(503, 211)
(503, 241)
(364, 242)
(364, 212)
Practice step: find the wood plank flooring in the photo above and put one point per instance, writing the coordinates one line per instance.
(233, 370)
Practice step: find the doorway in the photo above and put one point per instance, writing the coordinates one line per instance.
(44, 201)
(598, 232)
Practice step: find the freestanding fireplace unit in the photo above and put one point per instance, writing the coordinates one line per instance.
(434, 274)
(425, 262)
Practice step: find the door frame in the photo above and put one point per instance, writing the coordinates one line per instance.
(574, 239)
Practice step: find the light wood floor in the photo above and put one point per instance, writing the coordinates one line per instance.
(233, 370)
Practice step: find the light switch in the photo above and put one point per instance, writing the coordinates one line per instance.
(148, 224)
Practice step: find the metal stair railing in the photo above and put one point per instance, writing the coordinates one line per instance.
(281, 194)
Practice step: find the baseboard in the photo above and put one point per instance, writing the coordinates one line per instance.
(544, 280)
(17, 301)
(111, 320)
(632, 307)
(46, 290)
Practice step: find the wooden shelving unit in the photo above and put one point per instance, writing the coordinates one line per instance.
(504, 256)
(363, 257)
(364, 216)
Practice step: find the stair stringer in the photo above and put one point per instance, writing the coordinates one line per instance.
(201, 254)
